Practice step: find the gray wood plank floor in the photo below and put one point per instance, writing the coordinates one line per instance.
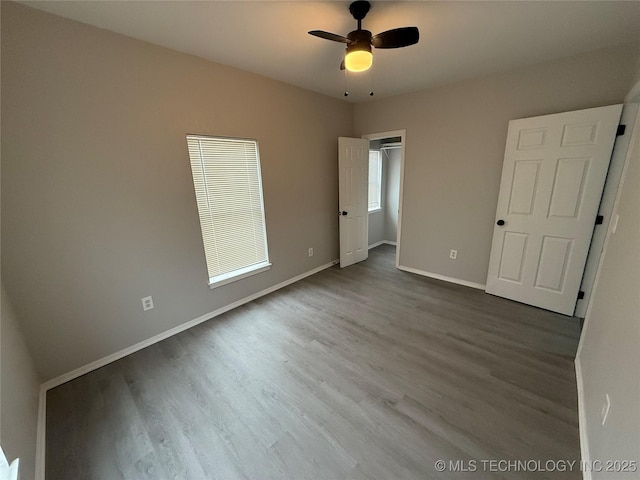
(362, 373)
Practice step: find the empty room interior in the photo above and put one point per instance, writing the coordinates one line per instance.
(331, 240)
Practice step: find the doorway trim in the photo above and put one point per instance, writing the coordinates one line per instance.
(403, 138)
(606, 207)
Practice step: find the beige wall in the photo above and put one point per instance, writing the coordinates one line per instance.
(609, 354)
(455, 144)
(98, 207)
(19, 389)
(376, 227)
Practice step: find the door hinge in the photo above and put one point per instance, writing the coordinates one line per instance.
(580, 295)
(621, 129)
(599, 219)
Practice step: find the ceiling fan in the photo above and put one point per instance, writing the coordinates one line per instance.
(358, 57)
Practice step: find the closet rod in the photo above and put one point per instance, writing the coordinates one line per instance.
(390, 146)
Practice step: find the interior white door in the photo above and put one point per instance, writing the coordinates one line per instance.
(353, 175)
(8, 471)
(553, 175)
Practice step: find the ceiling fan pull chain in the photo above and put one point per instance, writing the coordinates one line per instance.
(346, 83)
(371, 82)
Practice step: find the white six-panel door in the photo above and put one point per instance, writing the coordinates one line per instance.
(353, 177)
(553, 175)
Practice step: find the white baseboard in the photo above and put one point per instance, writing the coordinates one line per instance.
(437, 276)
(381, 242)
(78, 372)
(582, 422)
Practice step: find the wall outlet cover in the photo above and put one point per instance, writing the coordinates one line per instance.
(147, 303)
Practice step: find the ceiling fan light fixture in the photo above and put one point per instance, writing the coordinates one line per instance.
(358, 58)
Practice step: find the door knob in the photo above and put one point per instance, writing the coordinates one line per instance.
(500, 222)
(343, 213)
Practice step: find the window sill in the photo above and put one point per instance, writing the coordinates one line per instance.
(221, 280)
(375, 210)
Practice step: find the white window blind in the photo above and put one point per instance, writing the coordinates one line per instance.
(228, 187)
(375, 180)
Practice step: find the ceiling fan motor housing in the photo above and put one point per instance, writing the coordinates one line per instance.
(360, 37)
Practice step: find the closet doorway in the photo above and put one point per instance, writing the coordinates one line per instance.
(386, 173)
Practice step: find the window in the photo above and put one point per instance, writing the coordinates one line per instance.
(228, 187)
(375, 180)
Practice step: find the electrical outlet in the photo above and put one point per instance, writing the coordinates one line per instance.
(453, 254)
(606, 407)
(311, 252)
(147, 303)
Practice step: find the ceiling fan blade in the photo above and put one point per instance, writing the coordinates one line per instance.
(329, 36)
(396, 38)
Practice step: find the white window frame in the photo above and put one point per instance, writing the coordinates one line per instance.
(205, 208)
(378, 207)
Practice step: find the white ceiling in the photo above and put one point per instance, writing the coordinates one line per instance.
(458, 40)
